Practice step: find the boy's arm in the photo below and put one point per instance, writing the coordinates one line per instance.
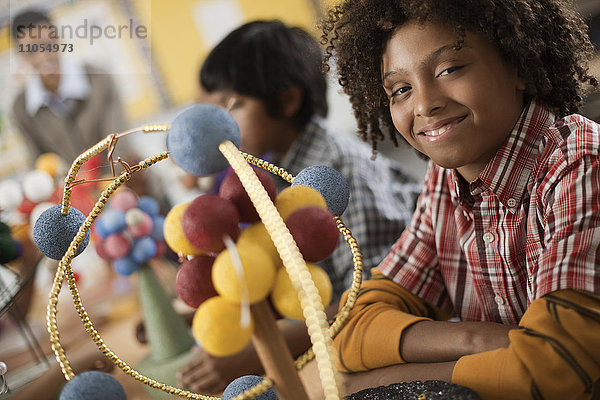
(553, 354)
(389, 325)
(382, 312)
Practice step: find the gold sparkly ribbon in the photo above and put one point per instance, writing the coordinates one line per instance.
(320, 333)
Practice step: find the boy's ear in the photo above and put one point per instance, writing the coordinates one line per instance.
(291, 100)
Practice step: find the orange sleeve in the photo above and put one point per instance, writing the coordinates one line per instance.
(383, 310)
(553, 354)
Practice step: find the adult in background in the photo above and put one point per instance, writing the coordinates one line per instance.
(65, 106)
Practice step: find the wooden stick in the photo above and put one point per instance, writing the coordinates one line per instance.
(275, 355)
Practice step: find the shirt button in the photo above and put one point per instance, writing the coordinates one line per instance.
(488, 237)
(511, 202)
(499, 300)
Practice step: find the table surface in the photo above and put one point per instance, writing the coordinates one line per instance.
(16, 277)
(114, 315)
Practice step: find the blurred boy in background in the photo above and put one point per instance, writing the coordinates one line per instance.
(270, 77)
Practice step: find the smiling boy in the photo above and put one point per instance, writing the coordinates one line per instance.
(506, 233)
(440, 97)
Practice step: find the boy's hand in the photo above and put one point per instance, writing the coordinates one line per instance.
(209, 374)
(439, 341)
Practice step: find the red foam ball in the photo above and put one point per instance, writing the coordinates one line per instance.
(116, 246)
(124, 199)
(99, 244)
(207, 219)
(315, 231)
(194, 281)
(232, 190)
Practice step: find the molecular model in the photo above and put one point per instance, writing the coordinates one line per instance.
(210, 280)
(232, 246)
(130, 231)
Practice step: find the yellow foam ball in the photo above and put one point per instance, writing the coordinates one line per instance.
(173, 232)
(259, 274)
(217, 327)
(285, 298)
(257, 234)
(294, 197)
(50, 163)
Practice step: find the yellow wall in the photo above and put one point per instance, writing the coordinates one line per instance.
(178, 48)
(4, 39)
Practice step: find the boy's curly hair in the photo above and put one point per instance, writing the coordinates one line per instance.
(544, 39)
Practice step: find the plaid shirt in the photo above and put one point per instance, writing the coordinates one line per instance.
(382, 196)
(527, 226)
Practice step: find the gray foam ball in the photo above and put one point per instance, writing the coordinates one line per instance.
(93, 385)
(243, 383)
(54, 232)
(194, 137)
(327, 181)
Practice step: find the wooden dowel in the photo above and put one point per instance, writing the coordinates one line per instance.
(275, 355)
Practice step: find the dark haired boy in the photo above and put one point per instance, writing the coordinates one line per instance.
(270, 77)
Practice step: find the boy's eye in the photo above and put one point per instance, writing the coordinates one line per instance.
(400, 91)
(450, 70)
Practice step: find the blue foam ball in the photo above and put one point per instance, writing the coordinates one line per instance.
(148, 205)
(100, 229)
(126, 266)
(327, 181)
(112, 221)
(157, 228)
(244, 383)
(143, 249)
(93, 385)
(54, 232)
(195, 135)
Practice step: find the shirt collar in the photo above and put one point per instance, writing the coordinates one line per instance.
(74, 84)
(507, 174)
(305, 140)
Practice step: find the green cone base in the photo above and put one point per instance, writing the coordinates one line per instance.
(169, 336)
